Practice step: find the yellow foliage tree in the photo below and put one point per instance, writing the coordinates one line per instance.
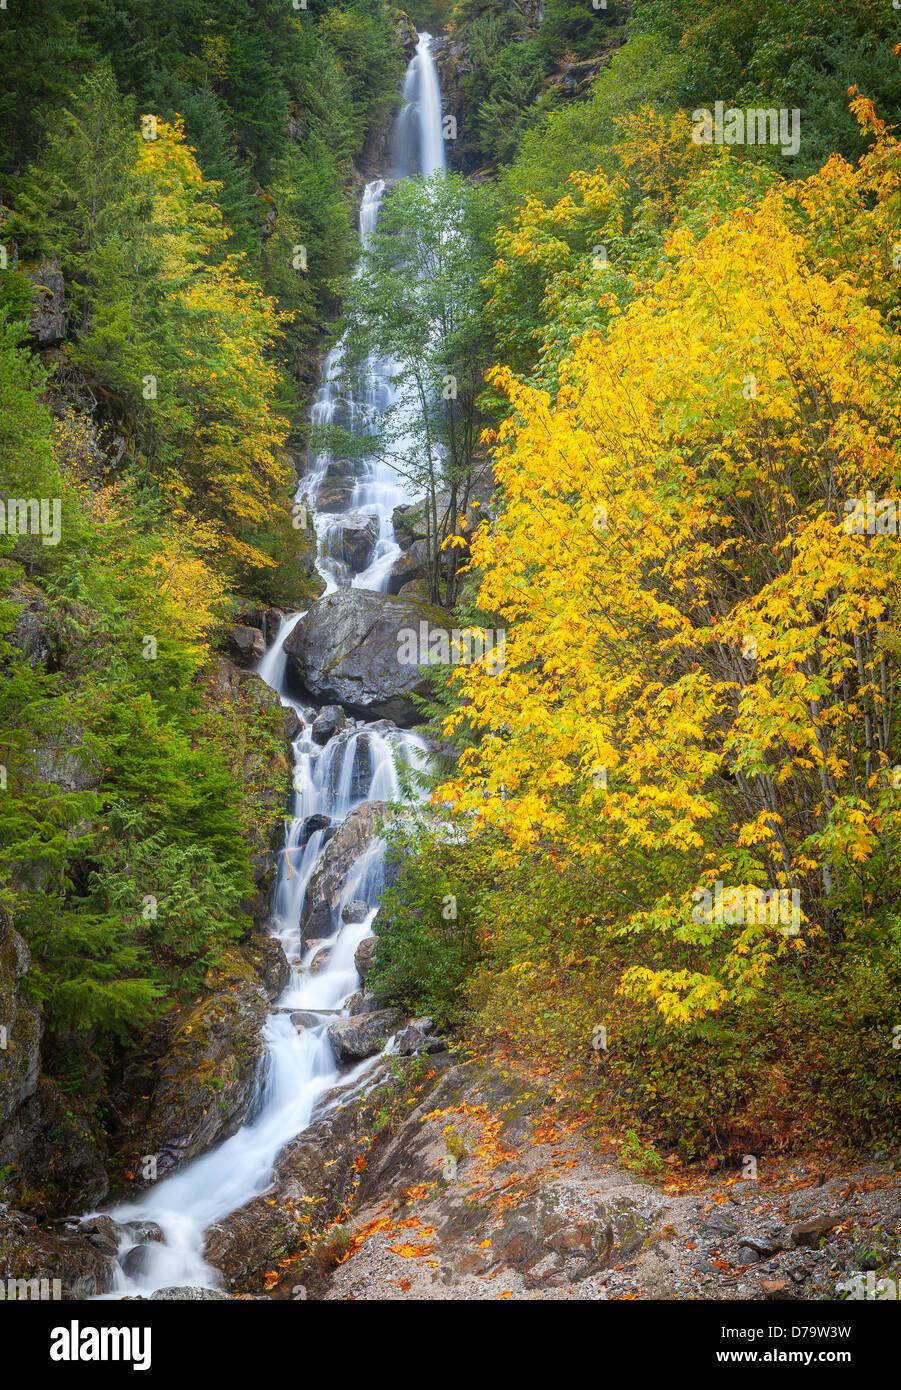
(700, 596)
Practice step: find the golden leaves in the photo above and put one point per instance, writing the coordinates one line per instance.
(685, 608)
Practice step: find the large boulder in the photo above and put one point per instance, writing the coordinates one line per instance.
(352, 538)
(364, 959)
(354, 1039)
(330, 720)
(189, 1293)
(352, 647)
(247, 645)
(322, 901)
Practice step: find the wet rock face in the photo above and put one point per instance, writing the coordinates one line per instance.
(269, 957)
(354, 1039)
(364, 958)
(49, 322)
(469, 1167)
(319, 916)
(351, 765)
(353, 539)
(337, 487)
(206, 1079)
(241, 1244)
(474, 1173)
(350, 648)
(330, 720)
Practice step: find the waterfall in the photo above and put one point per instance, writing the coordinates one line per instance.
(341, 495)
(418, 140)
(361, 763)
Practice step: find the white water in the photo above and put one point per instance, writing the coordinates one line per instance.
(359, 764)
(418, 148)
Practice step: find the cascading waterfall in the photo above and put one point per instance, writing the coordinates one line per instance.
(418, 143)
(359, 764)
(375, 488)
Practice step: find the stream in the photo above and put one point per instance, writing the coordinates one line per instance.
(362, 763)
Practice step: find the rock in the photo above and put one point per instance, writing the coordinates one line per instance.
(49, 322)
(189, 1293)
(206, 1079)
(32, 634)
(337, 487)
(135, 1261)
(143, 1231)
(720, 1226)
(412, 523)
(58, 1152)
(272, 963)
(409, 567)
(32, 1252)
(354, 1039)
(303, 1020)
(268, 620)
(317, 822)
(321, 959)
(247, 645)
(103, 1233)
(330, 720)
(322, 901)
(805, 1202)
(62, 759)
(811, 1232)
(775, 1288)
(353, 646)
(415, 1038)
(352, 539)
(355, 745)
(20, 1057)
(363, 1003)
(751, 1248)
(355, 912)
(364, 958)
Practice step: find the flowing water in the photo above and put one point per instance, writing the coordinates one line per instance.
(362, 763)
(345, 494)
